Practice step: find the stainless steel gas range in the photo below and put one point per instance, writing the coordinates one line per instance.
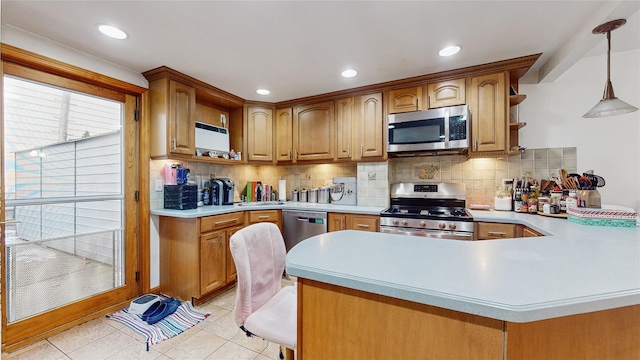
(428, 209)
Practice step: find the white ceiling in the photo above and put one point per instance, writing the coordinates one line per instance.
(297, 49)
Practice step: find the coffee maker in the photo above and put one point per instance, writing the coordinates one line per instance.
(222, 191)
(344, 191)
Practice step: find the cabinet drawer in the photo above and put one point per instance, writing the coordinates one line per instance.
(496, 231)
(263, 216)
(210, 223)
(365, 223)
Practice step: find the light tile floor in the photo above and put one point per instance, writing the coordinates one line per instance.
(217, 337)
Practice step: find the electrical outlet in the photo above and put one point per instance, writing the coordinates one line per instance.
(372, 176)
(158, 185)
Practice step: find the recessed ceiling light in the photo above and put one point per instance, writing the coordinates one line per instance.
(449, 50)
(349, 73)
(263, 91)
(112, 31)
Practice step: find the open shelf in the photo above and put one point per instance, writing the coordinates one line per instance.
(516, 99)
(517, 125)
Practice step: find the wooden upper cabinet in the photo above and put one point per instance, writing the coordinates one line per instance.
(344, 128)
(405, 100)
(182, 118)
(260, 134)
(284, 134)
(314, 131)
(370, 126)
(488, 104)
(172, 109)
(446, 93)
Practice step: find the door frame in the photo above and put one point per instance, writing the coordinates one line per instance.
(25, 64)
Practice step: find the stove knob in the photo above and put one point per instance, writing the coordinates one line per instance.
(396, 222)
(452, 226)
(442, 226)
(405, 223)
(423, 224)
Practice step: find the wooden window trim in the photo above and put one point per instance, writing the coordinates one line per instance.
(12, 54)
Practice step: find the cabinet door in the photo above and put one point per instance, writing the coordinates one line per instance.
(231, 266)
(446, 93)
(260, 134)
(182, 118)
(212, 261)
(488, 107)
(284, 134)
(314, 132)
(370, 126)
(337, 222)
(365, 222)
(344, 127)
(404, 100)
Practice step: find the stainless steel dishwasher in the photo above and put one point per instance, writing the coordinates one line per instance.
(299, 225)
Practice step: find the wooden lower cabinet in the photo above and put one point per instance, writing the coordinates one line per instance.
(231, 266)
(342, 221)
(194, 255)
(492, 231)
(257, 216)
(528, 232)
(340, 323)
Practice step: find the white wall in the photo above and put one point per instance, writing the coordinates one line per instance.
(49, 48)
(610, 145)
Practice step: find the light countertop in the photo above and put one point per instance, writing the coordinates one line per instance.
(288, 205)
(574, 269)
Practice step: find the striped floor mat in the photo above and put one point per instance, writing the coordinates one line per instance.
(183, 319)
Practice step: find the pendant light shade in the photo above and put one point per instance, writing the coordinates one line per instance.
(609, 105)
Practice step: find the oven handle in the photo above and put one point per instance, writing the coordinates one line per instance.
(453, 235)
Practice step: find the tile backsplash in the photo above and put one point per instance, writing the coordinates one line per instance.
(481, 176)
(297, 176)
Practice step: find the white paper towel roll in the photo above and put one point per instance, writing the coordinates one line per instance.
(282, 190)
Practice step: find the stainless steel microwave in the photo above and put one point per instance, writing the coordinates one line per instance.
(438, 129)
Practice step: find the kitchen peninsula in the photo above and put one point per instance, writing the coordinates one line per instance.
(572, 294)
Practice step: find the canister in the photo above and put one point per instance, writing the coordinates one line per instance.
(303, 195)
(323, 195)
(313, 195)
(294, 195)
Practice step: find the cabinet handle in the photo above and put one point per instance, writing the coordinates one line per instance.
(173, 141)
(289, 153)
(498, 233)
(225, 221)
(263, 217)
(348, 150)
(475, 143)
(295, 153)
(342, 227)
(363, 226)
(361, 149)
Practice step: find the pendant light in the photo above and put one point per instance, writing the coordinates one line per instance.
(609, 105)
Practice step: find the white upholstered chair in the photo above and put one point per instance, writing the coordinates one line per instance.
(264, 307)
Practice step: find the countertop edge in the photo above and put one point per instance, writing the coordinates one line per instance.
(226, 209)
(499, 311)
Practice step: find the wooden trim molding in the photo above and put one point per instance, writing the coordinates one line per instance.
(203, 90)
(29, 59)
(516, 66)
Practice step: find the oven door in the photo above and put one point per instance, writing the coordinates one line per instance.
(439, 234)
